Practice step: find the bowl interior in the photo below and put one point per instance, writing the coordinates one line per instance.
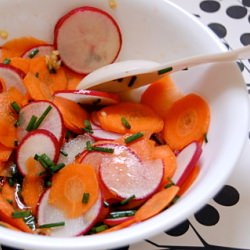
(160, 31)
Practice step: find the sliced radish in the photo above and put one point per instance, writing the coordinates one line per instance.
(12, 77)
(73, 148)
(124, 174)
(87, 38)
(41, 50)
(38, 142)
(48, 214)
(53, 122)
(101, 134)
(187, 158)
(115, 221)
(91, 97)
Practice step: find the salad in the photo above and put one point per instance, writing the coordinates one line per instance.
(79, 162)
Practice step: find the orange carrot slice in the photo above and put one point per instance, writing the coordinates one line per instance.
(8, 192)
(70, 185)
(36, 88)
(161, 95)
(16, 47)
(8, 132)
(16, 96)
(21, 63)
(156, 203)
(6, 225)
(5, 153)
(6, 211)
(73, 114)
(187, 121)
(139, 116)
(56, 81)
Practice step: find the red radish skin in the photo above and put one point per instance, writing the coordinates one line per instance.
(73, 227)
(13, 77)
(43, 50)
(113, 222)
(87, 38)
(39, 142)
(124, 174)
(90, 97)
(187, 158)
(53, 122)
(73, 148)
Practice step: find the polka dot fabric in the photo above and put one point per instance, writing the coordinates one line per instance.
(223, 223)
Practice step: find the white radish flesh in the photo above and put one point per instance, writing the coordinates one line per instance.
(187, 158)
(87, 38)
(12, 77)
(38, 142)
(42, 50)
(73, 148)
(90, 97)
(48, 214)
(53, 122)
(125, 174)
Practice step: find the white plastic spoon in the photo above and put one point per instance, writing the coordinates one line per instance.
(124, 75)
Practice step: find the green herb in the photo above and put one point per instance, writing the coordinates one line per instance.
(15, 107)
(98, 229)
(50, 225)
(42, 117)
(21, 214)
(63, 153)
(87, 127)
(169, 184)
(89, 147)
(47, 183)
(125, 123)
(9, 201)
(31, 123)
(6, 61)
(176, 198)
(126, 201)
(30, 221)
(33, 53)
(205, 138)
(166, 70)
(133, 137)
(120, 214)
(85, 198)
(57, 167)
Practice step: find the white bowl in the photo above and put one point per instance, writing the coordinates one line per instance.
(160, 31)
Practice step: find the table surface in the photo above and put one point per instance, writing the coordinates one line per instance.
(223, 223)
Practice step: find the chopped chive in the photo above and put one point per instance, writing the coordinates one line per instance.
(57, 167)
(47, 183)
(133, 137)
(87, 127)
(205, 138)
(132, 81)
(20, 214)
(63, 153)
(42, 117)
(33, 53)
(119, 214)
(15, 107)
(166, 70)
(45, 158)
(176, 198)
(31, 123)
(89, 147)
(85, 198)
(98, 229)
(125, 123)
(11, 181)
(50, 225)
(9, 201)
(169, 184)
(126, 201)
(6, 61)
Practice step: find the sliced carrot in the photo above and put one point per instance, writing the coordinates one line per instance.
(6, 225)
(6, 211)
(139, 116)
(165, 153)
(16, 96)
(36, 88)
(21, 63)
(18, 46)
(5, 153)
(158, 202)
(34, 168)
(161, 95)
(32, 189)
(8, 131)
(69, 186)
(73, 78)
(187, 121)
(190, 180)
(4, 170)
(55, 81)
(8, 192)
(73, 114)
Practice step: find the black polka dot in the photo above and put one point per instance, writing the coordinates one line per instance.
(210, 6)
(245, 38)
(219, 29)
(207, 216)
(246, 3)
(236, 11)
(241, 66)
(180, 229)
(228, 196)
